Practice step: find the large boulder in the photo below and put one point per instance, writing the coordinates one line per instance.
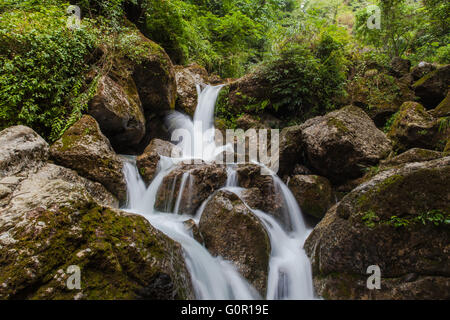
(233, 232)
(117, 108)
(379, 94)
(154, 76)
(86, 150)
(314, 194)
(21, 148)
(291, 151)
(433, 87)
(399, 221)
(52, 220)
(188, 78)
(414, 127)
(342, 143)
(185, 188)
(147, 162)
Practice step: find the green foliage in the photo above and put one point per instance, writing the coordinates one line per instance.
(436, 217)
(44, 66)
(370, 218)
(390, 122)
(41, 67)
(409, 28)
(308, 74)
(224, 36)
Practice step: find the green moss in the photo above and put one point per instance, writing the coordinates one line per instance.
(339, 124)
(424, 78)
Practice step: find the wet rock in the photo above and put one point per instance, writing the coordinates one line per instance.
(21, 148)
(340, 144)
(200, 181)
(432, 88)
(86, 150)
(147, 162)
(314, 194)
(398, 220)
(263, 193)
(233, 232)
(117, 108)
(414, 127)
(187, 79)
(192, 226)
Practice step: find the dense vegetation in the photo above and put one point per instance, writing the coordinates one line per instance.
(305, 49)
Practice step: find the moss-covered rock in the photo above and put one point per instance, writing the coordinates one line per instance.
(443, 109)
(52, 218)
(432, 88)
(379, 94)
(422, 69)
(340, 144)
(412, 155)
(233, 232)
(120, 256)
(85, 149)
(117, 108)
(414, 127)
(398, 220)
(314, 194)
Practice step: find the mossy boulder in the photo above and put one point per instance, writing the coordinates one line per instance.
(199, 182)
(412, 155)
(52, 221)
(379, 94)
(443, 109)
(86, 150)
(232, 231)
(422, 69)
(414, 127)
(147, 162)
(314, 194)
(399, 221)
(432, 88)
(341, 144)
(21, 148)
(117, 108)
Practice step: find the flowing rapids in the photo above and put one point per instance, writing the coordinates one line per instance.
(212, 277)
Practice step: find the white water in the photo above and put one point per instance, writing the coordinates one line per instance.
(212, 277)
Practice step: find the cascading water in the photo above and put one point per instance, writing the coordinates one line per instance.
(212, 277)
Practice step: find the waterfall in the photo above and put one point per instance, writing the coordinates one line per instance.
(289, 275)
